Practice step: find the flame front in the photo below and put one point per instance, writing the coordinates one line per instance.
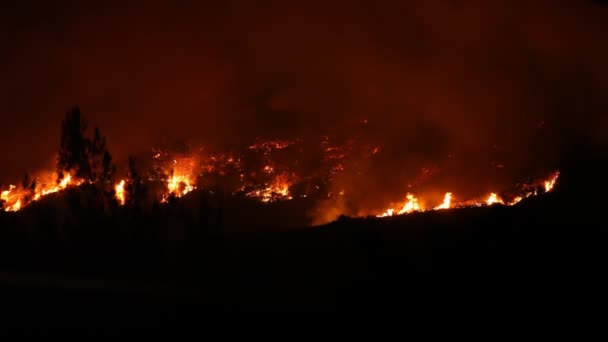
(17, 198)
(267, 171)
(409, 206)
(412, 204)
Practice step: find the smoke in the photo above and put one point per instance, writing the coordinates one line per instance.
(461, 92)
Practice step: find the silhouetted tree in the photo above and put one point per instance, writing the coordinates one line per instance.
(84, 158)
(74, 146)
(134, 190)
(108, 168)
(100, 159)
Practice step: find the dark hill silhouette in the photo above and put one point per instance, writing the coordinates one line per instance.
(229, 254)
(208, 253)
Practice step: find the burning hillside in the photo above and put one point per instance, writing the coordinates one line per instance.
(267, 170)
(412, 205)
(15, 198)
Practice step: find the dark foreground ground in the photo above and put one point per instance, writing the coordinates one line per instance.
(546, 253)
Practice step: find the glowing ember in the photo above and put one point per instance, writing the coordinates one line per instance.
(494, 199)
(447, 199)
(270, 145)
(120, 192)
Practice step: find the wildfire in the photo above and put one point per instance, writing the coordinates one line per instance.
(269, 172)
(516, 200)
(17, 198)
(494, 199)
(550, 183)
(120, 192)
(277, 190)
(65, 181)
(267, 146)
(411, 205)
(447, 199)
(16, 206)
(389, 212)
(179, 185)
(5, 194)
(11, 199)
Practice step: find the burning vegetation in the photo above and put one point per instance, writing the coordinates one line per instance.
(269, 170)
(411, 205)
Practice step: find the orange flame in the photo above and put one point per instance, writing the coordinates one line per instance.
(16, 206)
(12, 199)
(388, 212)
(550, 183)
(516, 200)
(16, 199)
(5, 194)
(412, 204)
(494, 199)
(409, 206)
(65, 181)
(447, 199)
(120, 192)
(179, 185)
(277, 190)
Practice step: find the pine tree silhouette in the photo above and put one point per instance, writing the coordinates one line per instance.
(100, 160)
(82, 157)
(73, 151)
(135, 190)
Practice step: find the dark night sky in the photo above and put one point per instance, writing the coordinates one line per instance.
(471, 74)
